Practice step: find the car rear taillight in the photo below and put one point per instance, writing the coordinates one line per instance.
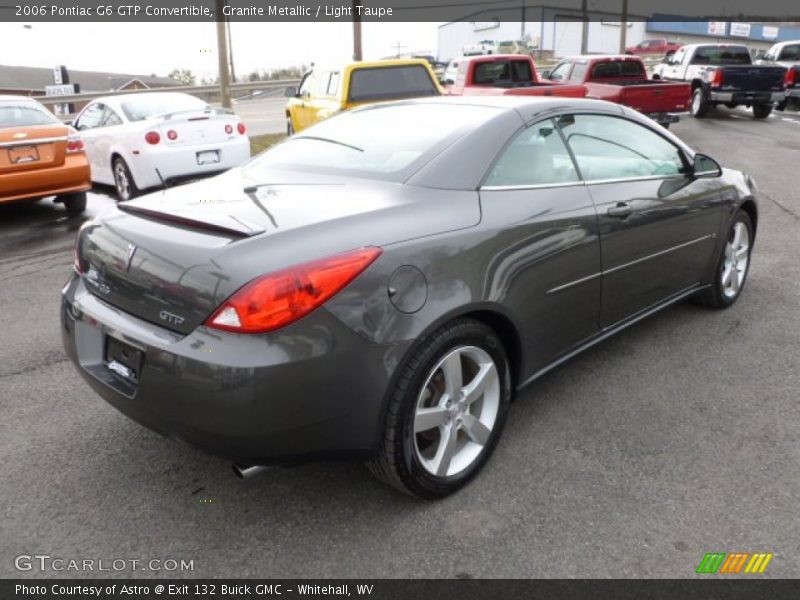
(278, 299)
(791, 77)
(152, 137)
(172, 135)
(718, 78)
(74, 144)
(241, 128)
(229, 129)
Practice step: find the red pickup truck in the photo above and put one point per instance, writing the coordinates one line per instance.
(623, 79)
(505, 75)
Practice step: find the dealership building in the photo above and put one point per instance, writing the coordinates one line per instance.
(559, 32)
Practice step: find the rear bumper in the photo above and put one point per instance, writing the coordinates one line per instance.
(181, 162)
(72, 176)
(314, 389)
(747, 97)
(793, 93)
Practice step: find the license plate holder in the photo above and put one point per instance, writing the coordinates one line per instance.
(19, 155)
(123, 359)
(208, 157)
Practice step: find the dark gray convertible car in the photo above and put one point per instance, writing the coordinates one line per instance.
(379, 286)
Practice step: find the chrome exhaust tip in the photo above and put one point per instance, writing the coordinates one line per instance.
(248, 471)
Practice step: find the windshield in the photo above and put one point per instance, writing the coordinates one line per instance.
(380, 142)
(612, 69)
(721, 55)
(22, 114)
(144, 107)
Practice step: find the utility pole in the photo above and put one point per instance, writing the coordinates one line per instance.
(585, 28)
(224, 59)
(230, 45)
(623, 30)
(357, 55)
(522, 22)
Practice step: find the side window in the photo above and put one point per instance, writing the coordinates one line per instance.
(608, 147)
(333, 85)
(111, 119)
(677, 58)
(324, 80)
(579, 71)
(537, 156)
(560, 72)
(92, 117)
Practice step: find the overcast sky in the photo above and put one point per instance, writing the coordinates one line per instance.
(145, 48)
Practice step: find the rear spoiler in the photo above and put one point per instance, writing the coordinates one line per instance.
(227, 225)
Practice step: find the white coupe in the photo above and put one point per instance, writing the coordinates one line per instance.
(143, 140)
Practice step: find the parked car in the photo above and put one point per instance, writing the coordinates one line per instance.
(40, 156)
(623, 79)
(482, 47)
(657, 47)
(148, 139)
(379, 286)
(724, 74)
(506, 75)
(324, 92)
(515, 47)
(786, 55)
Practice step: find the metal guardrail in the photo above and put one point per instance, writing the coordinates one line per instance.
(195, 90)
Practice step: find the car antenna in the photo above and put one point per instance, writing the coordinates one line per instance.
(163, 183)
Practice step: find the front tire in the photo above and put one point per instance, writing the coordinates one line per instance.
(700, 105)
(762, 111)
(733, 265)
(446, 412)
(123, 180)
(74, 203)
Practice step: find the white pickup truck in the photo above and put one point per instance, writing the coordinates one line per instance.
(787, 55)
(482, 47)
(724, 74)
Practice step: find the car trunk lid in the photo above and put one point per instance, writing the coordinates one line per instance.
(649, 97)
(32, 147)
(196, 128)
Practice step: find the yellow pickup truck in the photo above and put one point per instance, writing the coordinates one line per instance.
(323, 91)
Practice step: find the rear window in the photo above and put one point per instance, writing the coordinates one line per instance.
(381, 143)
(721, 55)
(503, 73)
(387, 83)
(144, 107)
(24, 114)
(617, 69)
(790, 52)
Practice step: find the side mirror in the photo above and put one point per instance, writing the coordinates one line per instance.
(705, 166)
(290, 92)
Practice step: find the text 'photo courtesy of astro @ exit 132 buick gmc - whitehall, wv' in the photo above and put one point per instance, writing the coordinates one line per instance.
(289, 295)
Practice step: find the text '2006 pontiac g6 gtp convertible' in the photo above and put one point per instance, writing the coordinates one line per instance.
(378, 285)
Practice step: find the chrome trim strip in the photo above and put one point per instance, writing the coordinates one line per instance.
(538, 186)
(573, 283)
(623, 266)
(627, 179)
(659, 253)
(32, 142)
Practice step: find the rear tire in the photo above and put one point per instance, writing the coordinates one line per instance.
(762, 111)
(289, 128)
(733, 265)
(123, 180)
(700, 105)
(446, 411)
(74, 203)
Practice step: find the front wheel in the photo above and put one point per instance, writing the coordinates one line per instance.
(762, 111)
(700, 105)
(123, 180)
(446, 411)
(733, 266)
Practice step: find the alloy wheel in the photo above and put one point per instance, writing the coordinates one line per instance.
(122, 181)
(456, 411)
(736, 261)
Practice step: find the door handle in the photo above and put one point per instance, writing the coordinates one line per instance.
(621, 210)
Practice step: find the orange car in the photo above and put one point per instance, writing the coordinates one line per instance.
(40, 156)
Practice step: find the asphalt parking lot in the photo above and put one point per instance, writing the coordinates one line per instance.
(676, 438)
